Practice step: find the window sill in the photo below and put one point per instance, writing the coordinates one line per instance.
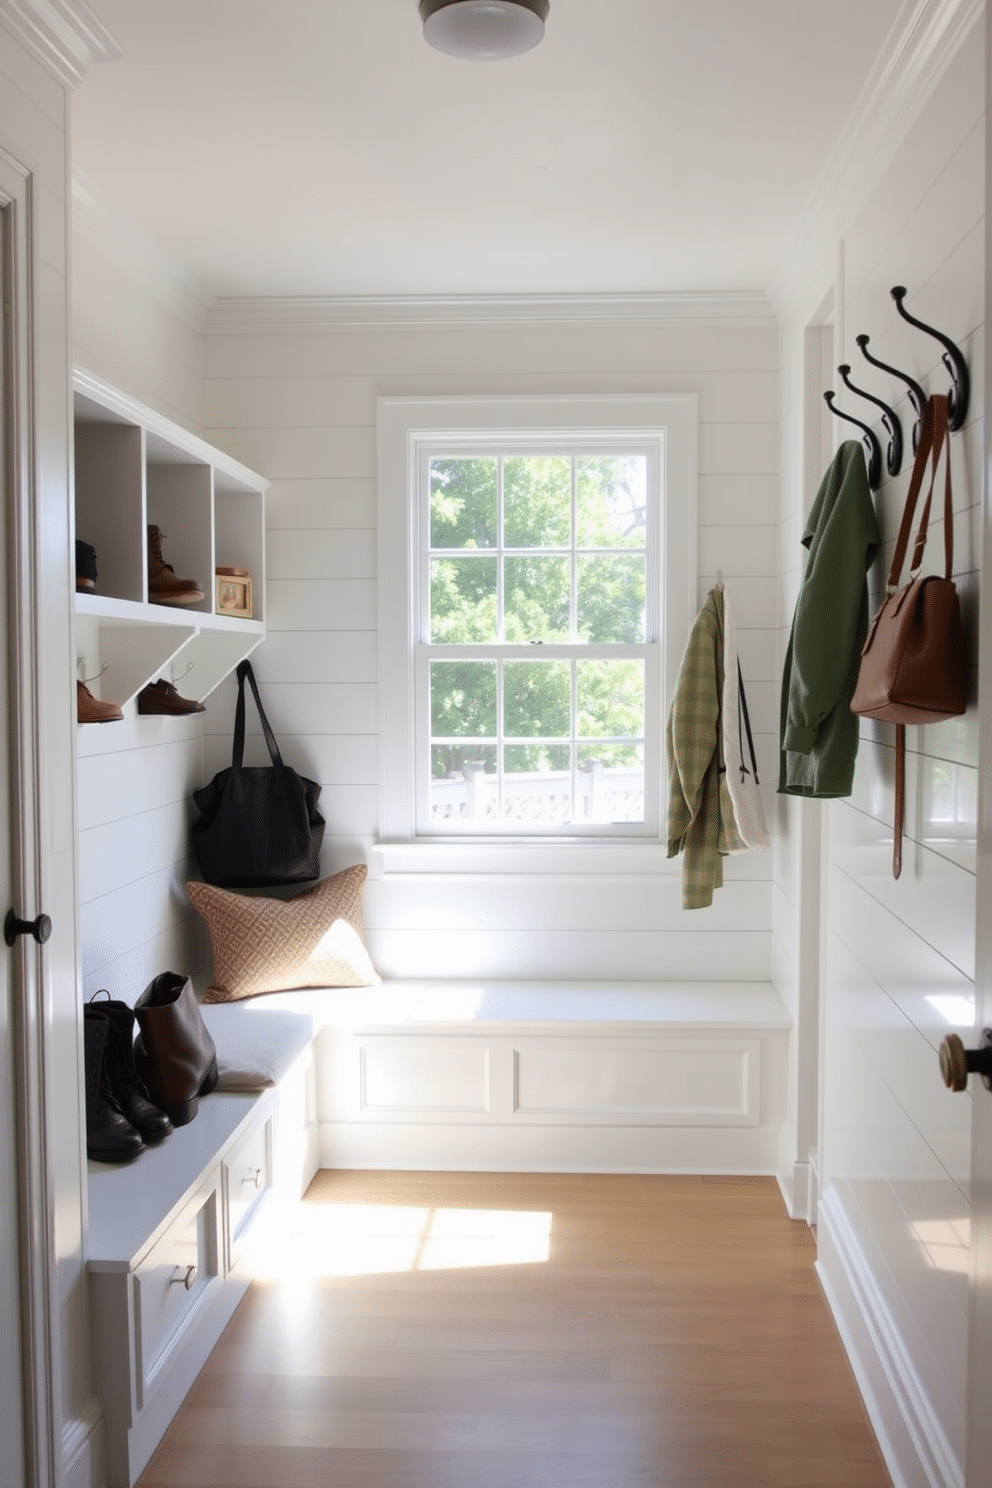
(532, 858)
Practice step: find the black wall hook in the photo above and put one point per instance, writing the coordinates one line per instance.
(957, 398)
(872, 445)
(917, 396)
(893, 455)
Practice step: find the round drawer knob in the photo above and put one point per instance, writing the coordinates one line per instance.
(254, 1177)
(187, 1277)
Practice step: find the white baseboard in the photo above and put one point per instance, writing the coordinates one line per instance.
(83, 1449)
(794, 1183)
(794, 1178)
(548, 1149)
(914, 1445)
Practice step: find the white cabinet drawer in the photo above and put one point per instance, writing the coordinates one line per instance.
(247, 1180)
(171, 1285)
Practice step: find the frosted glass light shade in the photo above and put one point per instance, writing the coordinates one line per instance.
(485, 30)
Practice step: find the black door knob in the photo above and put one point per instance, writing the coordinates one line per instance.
(957, 1062)
(41, 928)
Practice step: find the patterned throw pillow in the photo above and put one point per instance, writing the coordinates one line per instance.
(276, 945)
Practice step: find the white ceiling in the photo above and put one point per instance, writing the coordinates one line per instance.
(320, 147)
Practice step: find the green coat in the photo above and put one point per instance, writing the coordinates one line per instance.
(819, 733)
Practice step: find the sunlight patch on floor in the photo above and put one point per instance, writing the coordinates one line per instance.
(332, 1240)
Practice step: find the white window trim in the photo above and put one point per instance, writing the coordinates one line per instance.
(403, 424)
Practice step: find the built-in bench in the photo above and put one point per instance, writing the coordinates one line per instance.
(511, 1076)
(548, 1076)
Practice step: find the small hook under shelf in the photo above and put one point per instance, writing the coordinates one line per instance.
(957, 398)
(874, 449)
(893, 454)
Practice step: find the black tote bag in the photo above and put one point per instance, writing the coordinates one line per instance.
(259, 825)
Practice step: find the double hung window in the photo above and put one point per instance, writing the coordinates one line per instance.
(534, 580)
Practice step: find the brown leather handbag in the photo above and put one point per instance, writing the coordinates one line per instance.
(914, 664)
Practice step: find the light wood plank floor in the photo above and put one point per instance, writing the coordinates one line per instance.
(503, 1331)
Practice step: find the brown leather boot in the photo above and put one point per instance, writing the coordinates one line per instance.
(162, 697)
(163, 585)
(90, 709)
(174, 1055)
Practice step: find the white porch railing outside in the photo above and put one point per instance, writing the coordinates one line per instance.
(541, 797)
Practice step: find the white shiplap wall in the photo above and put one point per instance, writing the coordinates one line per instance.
(136, 324)
(299, 406)
(898, 956)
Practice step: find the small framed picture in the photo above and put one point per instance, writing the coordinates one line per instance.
(234, 592)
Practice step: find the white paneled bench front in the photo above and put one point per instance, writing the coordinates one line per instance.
(549, 1076)
(167, 1232)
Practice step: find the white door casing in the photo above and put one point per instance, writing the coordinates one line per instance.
(11, 1384)
(979, 1447)
(30, 1348)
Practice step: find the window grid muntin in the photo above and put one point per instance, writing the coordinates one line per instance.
(501, 550)
(651, 549)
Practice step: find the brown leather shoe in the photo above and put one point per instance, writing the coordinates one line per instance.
(163, 585)
(162, 697)
(90, 709)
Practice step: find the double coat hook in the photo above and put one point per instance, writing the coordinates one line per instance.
(893, 454)
(957, 398)
(874, 449)
(917, 396)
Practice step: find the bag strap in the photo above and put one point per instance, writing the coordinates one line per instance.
(933, 438)
(237, 758)
(742, 716)
(900, 799)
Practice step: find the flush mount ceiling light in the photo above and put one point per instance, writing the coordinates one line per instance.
(484, 29)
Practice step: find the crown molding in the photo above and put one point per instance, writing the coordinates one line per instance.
(924, 40)
(97, 219)
(253, 315)
(65, 35)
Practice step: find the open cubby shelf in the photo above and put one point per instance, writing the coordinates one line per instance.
(134, 468)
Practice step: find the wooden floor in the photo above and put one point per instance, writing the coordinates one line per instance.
(503, 1331)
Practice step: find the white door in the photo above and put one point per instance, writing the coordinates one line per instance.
(11, 1382)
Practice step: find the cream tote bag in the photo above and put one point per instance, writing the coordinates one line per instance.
(738, 748)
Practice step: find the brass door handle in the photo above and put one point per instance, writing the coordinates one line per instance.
(957, 1062)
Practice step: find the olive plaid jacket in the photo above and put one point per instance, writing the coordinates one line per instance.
(701, 822)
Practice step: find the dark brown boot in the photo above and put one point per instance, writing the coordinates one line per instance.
(162, 697)
(174, 1054)
(110, 1137)
(128, 1091)
(163, 585)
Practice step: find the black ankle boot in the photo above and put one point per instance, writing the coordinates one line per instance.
(129, 1092)
(110, 1137)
